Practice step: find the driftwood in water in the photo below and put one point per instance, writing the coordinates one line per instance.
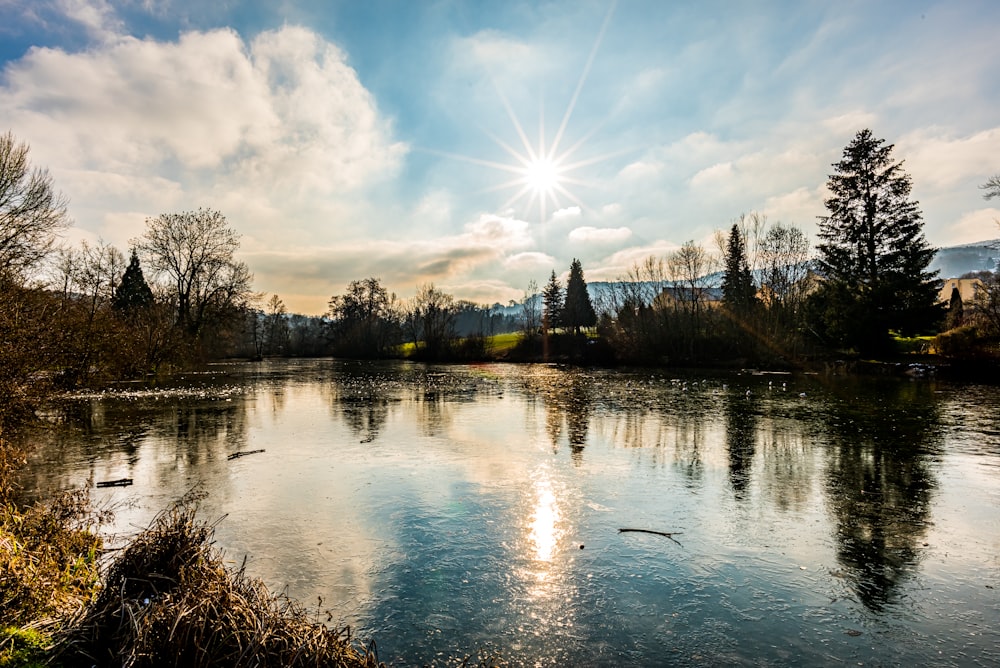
(243, 453)
(121, 482)
(669, 535)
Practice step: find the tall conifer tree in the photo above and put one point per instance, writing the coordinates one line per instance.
(552, 303)
(133, 292)
(873, 252)
(738, 292)
(577, 310)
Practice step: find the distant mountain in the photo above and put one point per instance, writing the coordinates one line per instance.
(950, 262)
(953, 261)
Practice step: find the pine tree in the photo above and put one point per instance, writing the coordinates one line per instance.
(577, 310)
(133, 293)
(874, 255)
(738, 292)
(552, 304)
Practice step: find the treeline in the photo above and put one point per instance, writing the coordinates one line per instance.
(92, 314)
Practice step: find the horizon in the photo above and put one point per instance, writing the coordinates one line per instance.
(479, 146)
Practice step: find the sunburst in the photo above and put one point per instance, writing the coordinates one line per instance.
(542, 172)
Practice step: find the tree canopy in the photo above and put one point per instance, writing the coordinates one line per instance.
(133, 292)
(873, 252)
(738, 291)
(31, 212)
(552, 303)
(196, 250)
(578, 311)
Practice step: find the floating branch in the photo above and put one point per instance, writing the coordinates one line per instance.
(244, 453)
(669, 535)
(121, 482)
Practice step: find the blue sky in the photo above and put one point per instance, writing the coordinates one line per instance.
(353, 139)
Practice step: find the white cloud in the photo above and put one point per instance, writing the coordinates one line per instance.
(979, 225)
(567, 213)
(717, 176)
(937, 159)
(282, 121)
(604, 235)
(529, 261)
(847, 124)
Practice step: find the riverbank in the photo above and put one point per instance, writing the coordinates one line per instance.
(165, 597)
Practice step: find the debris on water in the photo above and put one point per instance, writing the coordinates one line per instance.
(243, 453)
(121, 482)
(854, 633)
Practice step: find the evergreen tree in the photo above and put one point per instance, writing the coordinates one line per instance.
(873, 252)
(133, 292)
(577, 310)
(552, 303)
(738, 292)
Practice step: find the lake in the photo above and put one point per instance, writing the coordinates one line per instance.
(447, 511)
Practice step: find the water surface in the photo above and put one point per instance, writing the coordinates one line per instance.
(445, 510)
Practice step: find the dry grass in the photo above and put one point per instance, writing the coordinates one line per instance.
(168, 599)
(48, 553)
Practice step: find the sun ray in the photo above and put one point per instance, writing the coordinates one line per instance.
(541, 170)
(583, 77)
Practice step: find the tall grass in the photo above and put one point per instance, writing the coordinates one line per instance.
(168, 599)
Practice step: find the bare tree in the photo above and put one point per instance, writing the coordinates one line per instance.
(531, 316)
(275, 326)
(31, 212)
(992, 187)
(196, 251)
(784, 253)
(434, 313)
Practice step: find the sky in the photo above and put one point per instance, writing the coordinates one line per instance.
(478, 146)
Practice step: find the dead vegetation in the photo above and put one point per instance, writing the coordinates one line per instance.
(168, 599)
(48, 553)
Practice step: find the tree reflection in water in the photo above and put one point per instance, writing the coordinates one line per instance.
(741, 438)
(879, 482)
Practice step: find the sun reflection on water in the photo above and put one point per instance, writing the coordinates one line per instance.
(545, 521)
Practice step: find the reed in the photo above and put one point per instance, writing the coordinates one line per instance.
(168, 599)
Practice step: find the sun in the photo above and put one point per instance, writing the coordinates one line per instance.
(542, 176)
(542, 173)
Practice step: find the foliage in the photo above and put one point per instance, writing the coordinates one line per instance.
(578, 311)
(169, 599)
(738, 292)
(31, 212)
(364, 321)
(22, 647)
(48, 553)
(873, 252)
(133, 293)
(552, 303)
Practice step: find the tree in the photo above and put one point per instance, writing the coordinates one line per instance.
(784, 255)
(196, 250)
(432, 317)
(578, 311)
(552, 304)
(530, 317)
(275, 327)
(738, 291)
(364, 320)
(133, 293)
(873, 252)
(992, 187)
(31, 212)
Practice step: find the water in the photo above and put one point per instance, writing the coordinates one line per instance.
(450, 510)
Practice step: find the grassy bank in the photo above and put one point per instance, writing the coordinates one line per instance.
(166, 598)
